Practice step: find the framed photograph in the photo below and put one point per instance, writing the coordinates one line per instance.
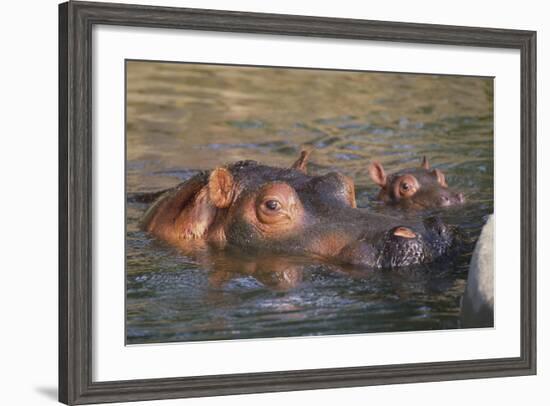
(257, 202)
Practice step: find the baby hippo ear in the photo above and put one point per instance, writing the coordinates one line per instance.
(440, 177)
(221, 187)
(425, 164)
(377, 174)
(301, 163)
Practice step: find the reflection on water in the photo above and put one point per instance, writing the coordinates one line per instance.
(182, 118)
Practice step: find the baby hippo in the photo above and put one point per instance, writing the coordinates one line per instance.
(415, 188)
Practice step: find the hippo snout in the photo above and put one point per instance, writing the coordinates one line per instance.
(451, 199)
(402, 246)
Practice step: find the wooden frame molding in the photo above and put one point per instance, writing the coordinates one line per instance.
(76, 20)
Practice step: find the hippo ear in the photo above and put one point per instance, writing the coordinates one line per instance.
(377, 174)
(425, 164)
(183, 212)
(440, 177)
(301, 163)
(221, 187)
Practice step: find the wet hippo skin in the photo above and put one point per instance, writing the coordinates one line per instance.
(263, 209)
(414, 188)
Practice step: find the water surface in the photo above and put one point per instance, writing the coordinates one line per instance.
(183, 118)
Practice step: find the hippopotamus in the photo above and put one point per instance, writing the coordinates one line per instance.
(414, 188)
(255, 208)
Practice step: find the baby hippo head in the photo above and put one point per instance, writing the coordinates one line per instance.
(417, 188)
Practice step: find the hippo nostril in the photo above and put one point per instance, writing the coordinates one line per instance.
(435, 224)
(404, 232)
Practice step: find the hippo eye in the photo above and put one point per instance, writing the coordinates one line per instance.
(405, 187)
(272, 205)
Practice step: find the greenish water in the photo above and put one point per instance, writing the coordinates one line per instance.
(182, 118)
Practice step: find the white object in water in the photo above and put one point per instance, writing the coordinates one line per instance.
(478, 299)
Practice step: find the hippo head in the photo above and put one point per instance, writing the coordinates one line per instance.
(418, 188)
(263, 209)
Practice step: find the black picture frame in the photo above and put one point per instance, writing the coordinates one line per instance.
(76, 20)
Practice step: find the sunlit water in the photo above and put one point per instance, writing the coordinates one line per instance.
(185, 118)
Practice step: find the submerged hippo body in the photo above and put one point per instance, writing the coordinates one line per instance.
(263, 209)
(414, 188)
